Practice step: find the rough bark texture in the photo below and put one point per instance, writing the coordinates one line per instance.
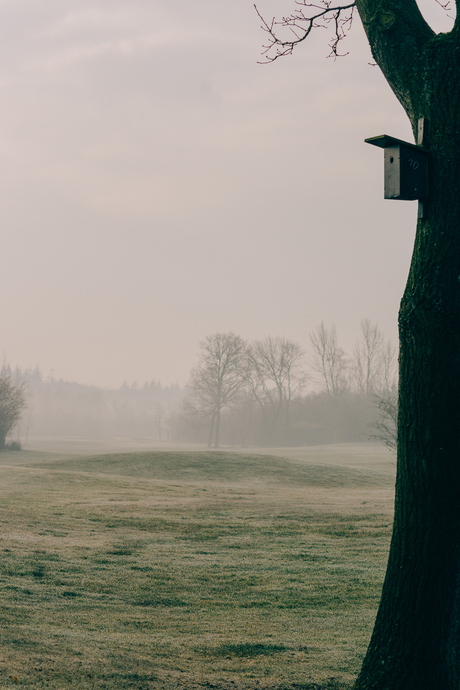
(416, 639)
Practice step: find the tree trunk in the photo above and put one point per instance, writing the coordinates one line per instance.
(211, 429)
(217, 428)
(416, 639)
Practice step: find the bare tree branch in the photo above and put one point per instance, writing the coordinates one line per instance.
(446, 6)
(300, 24)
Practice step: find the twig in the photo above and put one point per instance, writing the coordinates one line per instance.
(300, 24)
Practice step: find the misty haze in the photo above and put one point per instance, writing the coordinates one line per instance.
(268, 393)
(199, 388)
(159, 185)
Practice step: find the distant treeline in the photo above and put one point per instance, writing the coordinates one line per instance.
(61, 408)
(256, 393)
(261, 393)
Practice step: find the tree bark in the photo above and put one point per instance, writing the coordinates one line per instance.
(416, 639)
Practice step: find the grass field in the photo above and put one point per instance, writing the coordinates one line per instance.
(191, 569)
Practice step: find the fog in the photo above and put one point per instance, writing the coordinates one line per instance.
(158, 185)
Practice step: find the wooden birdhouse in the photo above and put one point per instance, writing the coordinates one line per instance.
(406, 168)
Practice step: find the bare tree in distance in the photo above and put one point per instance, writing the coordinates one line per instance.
(12, 404)
(374, 374)
(384, 428)
(242, 416)
(276, 376)
(389, 381)
(368, 358)
(159, 414)
(329, 360)
(218, 377)
(416, 638)
(331, 365)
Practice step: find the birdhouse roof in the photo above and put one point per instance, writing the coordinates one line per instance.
(384, 141)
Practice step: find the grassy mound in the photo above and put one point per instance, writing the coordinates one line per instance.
(220, 466)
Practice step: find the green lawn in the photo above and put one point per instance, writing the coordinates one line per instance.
(190, 569)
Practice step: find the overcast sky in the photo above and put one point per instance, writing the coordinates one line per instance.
(157, 185)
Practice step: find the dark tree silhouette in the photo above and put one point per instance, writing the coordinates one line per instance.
(416, 638)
